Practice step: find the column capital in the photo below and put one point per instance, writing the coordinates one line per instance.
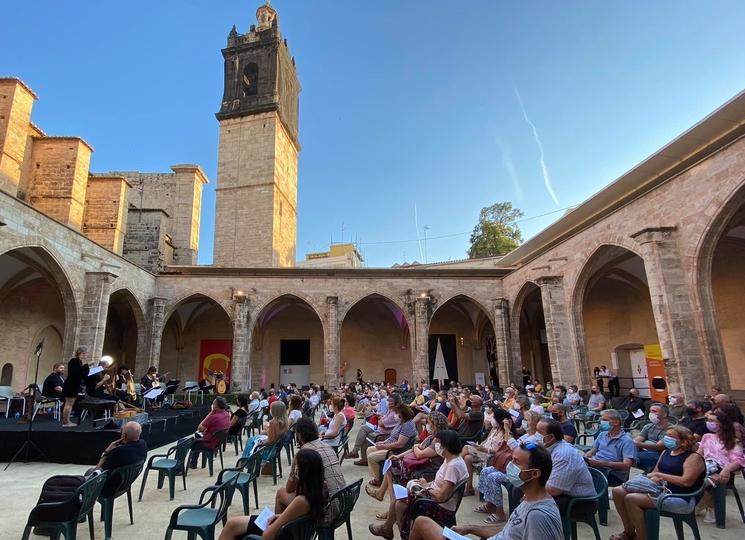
(653, 234)
(549, 280)
(332, 300)
(501, 304)
(108, 277)
(159, 300)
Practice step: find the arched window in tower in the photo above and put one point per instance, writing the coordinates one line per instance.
(6, 378)
(250, 79)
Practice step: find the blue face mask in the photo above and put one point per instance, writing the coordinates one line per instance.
(513, 474)
(669, 442)
(604, 425)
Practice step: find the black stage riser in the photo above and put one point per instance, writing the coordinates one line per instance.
(84, 446)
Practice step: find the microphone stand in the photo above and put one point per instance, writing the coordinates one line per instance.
(29, 444)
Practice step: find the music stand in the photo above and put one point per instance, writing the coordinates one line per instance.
(29, 444)
(171, 387)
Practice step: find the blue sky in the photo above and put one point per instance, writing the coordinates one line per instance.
(404, 104)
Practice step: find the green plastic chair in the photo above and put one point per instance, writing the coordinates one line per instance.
(300, 529)
(208, 454)
(652, 516)
(347, 498)
(87, 493)
(289, 444)
(592, 428)
(273, 454)
(121, 479)
(200, 519)
(238, 437)
(457, 494)
(169, 466)
(253, 424)
(252, 468)
(720, 502)
(582, 514)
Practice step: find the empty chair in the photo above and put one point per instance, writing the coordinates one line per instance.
(192, 387)
(248, 471)
(120, 482)
(200, 519)
(584, 513)
(169, 464)
(9, 396)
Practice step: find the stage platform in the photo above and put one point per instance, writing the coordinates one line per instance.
(83, 445)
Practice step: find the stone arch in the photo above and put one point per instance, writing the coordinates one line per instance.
(714, 222)
(125, 315)
(540, 367)
(308, 300)
(22, 267)
(277, 327)
(174, 304)
(600, 261)
(489, 313)
(348, 305)
(6, 376)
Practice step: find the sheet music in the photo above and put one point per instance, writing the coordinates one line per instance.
(400, 491)
(638, 413)
(95, 370)
(262, 520)
(371, 426)
(153, 392)
(450, 534)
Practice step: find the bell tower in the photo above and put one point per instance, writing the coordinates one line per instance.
(256, 217)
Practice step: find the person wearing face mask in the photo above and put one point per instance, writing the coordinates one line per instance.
(536, 517)
(695, 417)
(482, 453)
(441, 507)
(682, 471)
(572, 399)
(649, 442)
(677, 405)
(723, 451)
(570, 476)
(613, 452)
(306, 437)
(509, 398)
(596, 402)
(559, 413)
(631, 404)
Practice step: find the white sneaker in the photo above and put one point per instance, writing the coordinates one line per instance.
(709, 517)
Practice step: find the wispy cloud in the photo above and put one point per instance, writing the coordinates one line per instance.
(544, 168)
(511, 171)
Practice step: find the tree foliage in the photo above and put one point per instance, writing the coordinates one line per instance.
(496, 233)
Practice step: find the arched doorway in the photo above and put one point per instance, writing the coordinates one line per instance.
(613, 305)
(197, 328)
(124, 322)
(532, 342)
(286, 344)
(463, 333)
(36, 304)
(375, 337)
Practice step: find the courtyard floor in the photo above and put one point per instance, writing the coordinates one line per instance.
(21, 484)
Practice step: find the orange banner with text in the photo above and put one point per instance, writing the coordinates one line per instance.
(214, 355)
(656, 373)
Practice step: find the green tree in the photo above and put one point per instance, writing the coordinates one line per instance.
(496, 233)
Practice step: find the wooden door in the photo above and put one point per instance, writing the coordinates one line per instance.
(390, 376)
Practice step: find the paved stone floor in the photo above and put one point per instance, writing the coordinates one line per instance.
(21, 483)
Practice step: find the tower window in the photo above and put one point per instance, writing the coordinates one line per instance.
(250, 79)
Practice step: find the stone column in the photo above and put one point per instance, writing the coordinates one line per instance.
(420, 365)
(564, 367)
(509, 370)
(95, 311)
(673, 311)
(241, 346)
(155, 323)
(331, 345)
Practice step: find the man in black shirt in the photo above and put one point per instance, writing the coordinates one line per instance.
(631, 404)
(124, 451)
(54, 382)
(695, 418)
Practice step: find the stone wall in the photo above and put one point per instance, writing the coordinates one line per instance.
(16, 102)
(105, 218)
(145, 243)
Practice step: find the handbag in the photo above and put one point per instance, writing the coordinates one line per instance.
(642, 484)
(502, 457)
(411, 462)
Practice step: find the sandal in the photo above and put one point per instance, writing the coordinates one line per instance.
(482, 509)
(377, 530)
(374, 482)
(381, 516)
(494, 519)
(370, 490)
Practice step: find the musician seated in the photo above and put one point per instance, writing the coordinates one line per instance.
(98, 385)
(52, 387)
(124, 387)
(151, 380)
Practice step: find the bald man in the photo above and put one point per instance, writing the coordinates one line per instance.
(126, 450)
(721, 400)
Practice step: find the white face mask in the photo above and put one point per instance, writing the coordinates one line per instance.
(653, 418)
(524, 425)
(439, 450)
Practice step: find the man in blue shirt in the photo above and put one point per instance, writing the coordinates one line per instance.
(614, 452)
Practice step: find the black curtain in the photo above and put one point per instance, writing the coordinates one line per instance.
(449, 352)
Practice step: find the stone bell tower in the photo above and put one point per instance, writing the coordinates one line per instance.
(256, 217)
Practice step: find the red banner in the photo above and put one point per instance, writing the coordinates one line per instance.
(214, 355)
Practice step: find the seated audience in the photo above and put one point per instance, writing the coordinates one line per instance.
(310, 500)
(400, 438)
(677, 405)
(386, 423)
(470, 420)
(333, 433)
(238, 415)
(441, 507)
(481, 454)
(695, 417)
(296, 406)
(559, 413)
(649, 441)
(722, 449)
(721, 400)
(573, 399)
(679, 468)
(631, 404)
(217, 420)
(126, 450)
(596, 402)
(536, 518)
(349, 403)
(276, 427)
(52, 387)
(613, 452)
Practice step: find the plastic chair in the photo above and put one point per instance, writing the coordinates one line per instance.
(192, 387)
(457, 493)
(252, 466)
(273, 454)
(300, 529)
(200, 519)
(208, 454)
(87, 494)
(122, 480)
(720, 502)
(169, 466)
(288, 443)
(652, 516)
(253, 424)
(8, 395)
(237, 438)
(583, 514)
(347, 498)
(591, 431)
